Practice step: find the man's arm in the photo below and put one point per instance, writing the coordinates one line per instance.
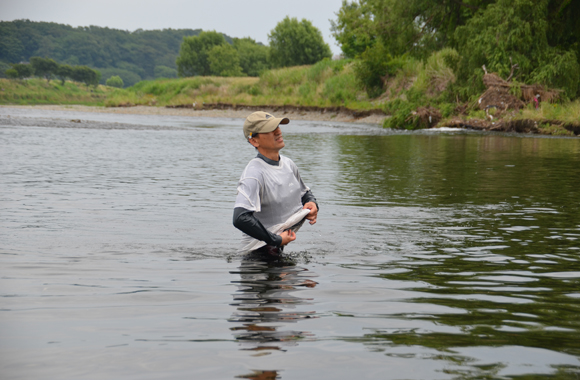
(309, 202)
(245, 221)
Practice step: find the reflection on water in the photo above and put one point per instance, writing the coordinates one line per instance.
(265, 299)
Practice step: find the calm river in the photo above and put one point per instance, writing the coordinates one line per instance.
(437, 255)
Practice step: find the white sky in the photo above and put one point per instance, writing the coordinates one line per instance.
(236, 18)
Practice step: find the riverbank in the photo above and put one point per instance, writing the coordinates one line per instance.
(326, 91)
(339, 115)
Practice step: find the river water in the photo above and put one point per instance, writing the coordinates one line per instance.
(437, 254)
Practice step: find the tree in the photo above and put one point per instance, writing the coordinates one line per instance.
(11, 48)
(415, 27)
(516, 29)
(294, 43)
(354, 29)
(20, 70)
(93, 46)
(115, 81)
(193, 54)
(11, 73)
(224, 61)
(86, 75)
(541, 36)
(44, 67)
(253, 56)
(63, 72)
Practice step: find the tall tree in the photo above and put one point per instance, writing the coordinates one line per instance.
(194, 51)
(44, 67)
(294, 43)
(224, 61)
(516, 29)
(63, 72)
(86, 75)
(253, 56)
(415, 27)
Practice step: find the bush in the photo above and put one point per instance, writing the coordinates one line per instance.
(22, 71)
(129, 78)
(115, 81)
(375, 66)
(11, 73)
(3, 67)
(437, 74)
(400, 110)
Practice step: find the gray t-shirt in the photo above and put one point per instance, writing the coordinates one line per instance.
(273, 192)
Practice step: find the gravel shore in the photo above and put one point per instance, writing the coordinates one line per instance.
(239, 114)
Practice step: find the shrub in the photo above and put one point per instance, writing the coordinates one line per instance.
(115, 81)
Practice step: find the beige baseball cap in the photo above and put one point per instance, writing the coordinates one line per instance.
(262, 122)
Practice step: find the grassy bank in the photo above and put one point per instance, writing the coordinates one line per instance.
(418, 94)
(325, 84)
(39, 91)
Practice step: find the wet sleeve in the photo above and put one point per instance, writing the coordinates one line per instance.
(309, 197)
(245, 221)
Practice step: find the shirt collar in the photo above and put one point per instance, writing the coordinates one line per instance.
(268, 161)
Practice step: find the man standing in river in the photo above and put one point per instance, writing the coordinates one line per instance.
(272, 201)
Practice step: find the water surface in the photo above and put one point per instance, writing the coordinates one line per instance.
(437, 255)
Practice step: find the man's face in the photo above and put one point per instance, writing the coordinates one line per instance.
(271, 141)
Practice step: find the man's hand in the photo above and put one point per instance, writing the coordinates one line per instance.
(287, 237)
(313, 212)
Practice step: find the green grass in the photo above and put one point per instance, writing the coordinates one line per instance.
(325, 84)
(39, 91)
(566, 112)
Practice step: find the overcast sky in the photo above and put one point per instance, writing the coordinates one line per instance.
(236, 18)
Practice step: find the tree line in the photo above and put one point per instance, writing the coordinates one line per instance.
(541, 36)
(133, 56)
(168, 53)
(49, 68)
(292, 43)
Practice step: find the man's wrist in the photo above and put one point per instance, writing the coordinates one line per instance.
(277, 240)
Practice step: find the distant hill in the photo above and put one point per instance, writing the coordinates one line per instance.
(134, 56)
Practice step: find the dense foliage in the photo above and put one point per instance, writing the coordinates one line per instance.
(49, 68)
(194, 51)
(542, 37)
(294, 43)
(210, 54)
(131, 55)
(115, 81)
(168, 53)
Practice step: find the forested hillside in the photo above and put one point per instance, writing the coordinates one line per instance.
(131, 55)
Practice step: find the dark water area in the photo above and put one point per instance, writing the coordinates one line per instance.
(437, 254)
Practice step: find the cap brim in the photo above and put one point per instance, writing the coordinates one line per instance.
(272, 124)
